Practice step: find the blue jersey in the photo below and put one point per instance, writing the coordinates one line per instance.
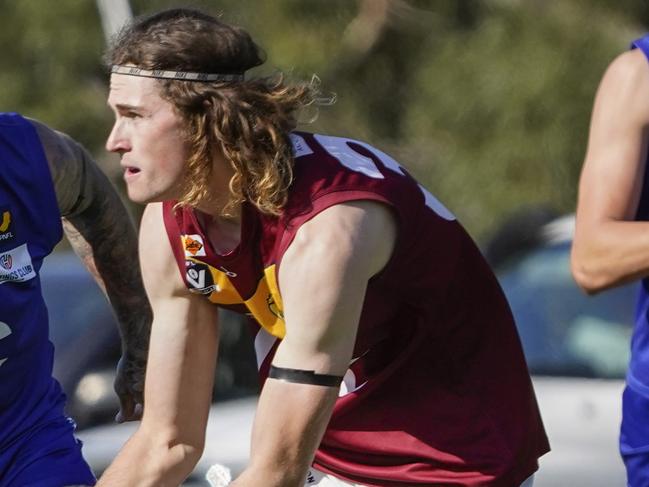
(30, 228)
(634, 434)
(638, 375)
(31, 401)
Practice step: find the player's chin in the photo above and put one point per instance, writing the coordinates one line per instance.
(146, 193)
(141, 197)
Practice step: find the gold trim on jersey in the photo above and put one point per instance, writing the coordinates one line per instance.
(265, 305)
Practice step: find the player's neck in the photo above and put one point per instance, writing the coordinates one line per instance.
(223, 230)
(219, 184)
(223, 233)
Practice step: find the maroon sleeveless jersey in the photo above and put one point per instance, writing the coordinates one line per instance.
(437, 392)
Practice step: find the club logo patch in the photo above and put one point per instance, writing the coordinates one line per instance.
(5, 261)
(199, 278)
(16, 265)
(193, 245)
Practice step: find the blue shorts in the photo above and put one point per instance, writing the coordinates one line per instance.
(634, 437)
(47, 455)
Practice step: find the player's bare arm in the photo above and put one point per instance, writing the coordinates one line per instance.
(609, 248)
(180, 372)
(102, 234)
(323, 278)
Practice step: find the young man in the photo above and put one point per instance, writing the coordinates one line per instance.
(47, 178)
(386, 348)
(611, 243)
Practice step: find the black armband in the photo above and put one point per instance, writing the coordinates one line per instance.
(299, 376)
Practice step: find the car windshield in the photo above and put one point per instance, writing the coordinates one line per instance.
(565, 332)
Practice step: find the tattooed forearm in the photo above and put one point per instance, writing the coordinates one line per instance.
(102, 235)
(84, 251)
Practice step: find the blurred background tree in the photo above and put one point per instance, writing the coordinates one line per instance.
(486, 101)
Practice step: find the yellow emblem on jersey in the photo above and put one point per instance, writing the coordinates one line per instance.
(6, 220)
(266, 304)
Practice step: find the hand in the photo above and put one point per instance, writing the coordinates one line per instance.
(129, 386)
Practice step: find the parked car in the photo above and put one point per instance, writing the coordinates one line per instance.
(87, 344)
(576, 346)
(85, 337)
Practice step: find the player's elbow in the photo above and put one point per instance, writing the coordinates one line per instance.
(186, 454)
(587, 282)
(588, 277)
(176, 455)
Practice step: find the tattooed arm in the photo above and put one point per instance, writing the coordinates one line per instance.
(103, 236)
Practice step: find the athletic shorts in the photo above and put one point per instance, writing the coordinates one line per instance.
(219, 476)
(634, 436)
(315, 478)
(47, 455)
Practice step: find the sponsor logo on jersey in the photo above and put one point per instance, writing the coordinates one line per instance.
(5, 221)
(16, 265)
(5, 225)
(193, 245)
(199, 278)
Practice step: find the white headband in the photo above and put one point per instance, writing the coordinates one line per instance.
(179, 75)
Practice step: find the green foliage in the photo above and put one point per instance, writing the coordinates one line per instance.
(507, 106)
(49, 66)
(487, 102)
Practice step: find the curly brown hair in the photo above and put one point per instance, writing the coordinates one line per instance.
(249, 121)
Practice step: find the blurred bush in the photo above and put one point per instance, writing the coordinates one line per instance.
(486, 101)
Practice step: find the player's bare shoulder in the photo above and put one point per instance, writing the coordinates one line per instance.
(159, 268)
(627, 80)
(66, 159)
(631, 66)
